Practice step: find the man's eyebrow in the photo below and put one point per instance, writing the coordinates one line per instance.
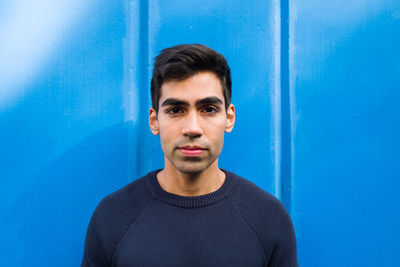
(210, 100)
(174, 102)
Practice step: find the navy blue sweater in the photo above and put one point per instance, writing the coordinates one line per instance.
(143, 225)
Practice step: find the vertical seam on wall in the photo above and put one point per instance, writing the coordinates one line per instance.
(131, 93)
(276, 102)
(285, 162)
(144, 81)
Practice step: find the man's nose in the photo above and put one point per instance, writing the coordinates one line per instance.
(192, 127)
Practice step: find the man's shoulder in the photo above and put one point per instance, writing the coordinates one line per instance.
(250, 193)
(130, 199)
(268, 219)
(113, 216)
(133, 189)
(259, 207)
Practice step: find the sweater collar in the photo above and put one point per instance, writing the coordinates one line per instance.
(186, 201)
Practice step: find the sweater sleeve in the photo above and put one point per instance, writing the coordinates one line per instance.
(268, 219)
(93, 255)
(110, 221)
(284, 253)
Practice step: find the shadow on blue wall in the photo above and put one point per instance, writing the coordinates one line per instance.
(53, 213)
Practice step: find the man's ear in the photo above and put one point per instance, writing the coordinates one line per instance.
(230, 118)
(153, 122)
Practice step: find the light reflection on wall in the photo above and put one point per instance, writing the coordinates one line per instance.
(30, 32)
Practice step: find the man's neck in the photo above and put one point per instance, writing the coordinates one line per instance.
(178, 183)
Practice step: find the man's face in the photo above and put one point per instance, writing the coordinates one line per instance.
(191, 122)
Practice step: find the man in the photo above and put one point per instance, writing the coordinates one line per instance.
(191, 213)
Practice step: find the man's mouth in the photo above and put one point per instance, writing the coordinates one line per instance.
(191, 151)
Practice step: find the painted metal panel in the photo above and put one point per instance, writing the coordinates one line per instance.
(74, 101)
(64, 142)
(315, 86)
(344, 81)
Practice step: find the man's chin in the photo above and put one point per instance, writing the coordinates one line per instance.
(192, 168)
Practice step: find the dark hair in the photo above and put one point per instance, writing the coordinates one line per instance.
(183, 61)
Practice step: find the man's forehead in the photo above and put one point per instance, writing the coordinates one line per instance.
(195, 88)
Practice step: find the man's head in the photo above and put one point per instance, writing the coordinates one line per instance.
(183, 61)
(190, 109)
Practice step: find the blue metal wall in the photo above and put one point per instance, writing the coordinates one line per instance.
(345, 87)
(315, 85)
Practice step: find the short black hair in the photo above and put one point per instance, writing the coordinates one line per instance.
(183, 61)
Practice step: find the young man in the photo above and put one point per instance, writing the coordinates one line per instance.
(191, 213)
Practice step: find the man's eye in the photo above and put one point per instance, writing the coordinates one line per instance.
(174, 111)
(210, 109)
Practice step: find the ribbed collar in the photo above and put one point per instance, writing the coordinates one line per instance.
(190, 202)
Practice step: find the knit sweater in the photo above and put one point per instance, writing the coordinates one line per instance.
(142, 225)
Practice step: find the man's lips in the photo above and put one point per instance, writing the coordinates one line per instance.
(191, 150)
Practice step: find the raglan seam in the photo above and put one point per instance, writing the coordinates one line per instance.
(250, 229)
(127, 229)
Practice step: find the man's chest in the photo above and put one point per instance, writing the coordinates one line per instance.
(166, 236)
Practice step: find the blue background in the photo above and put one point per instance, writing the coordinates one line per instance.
(316, 89)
